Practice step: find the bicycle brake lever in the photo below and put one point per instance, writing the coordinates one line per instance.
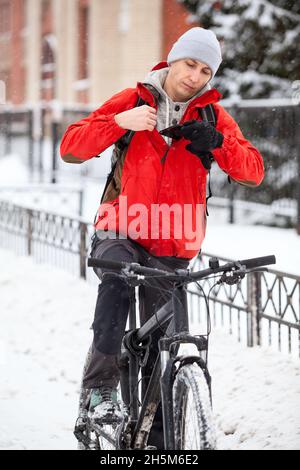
(132, 279)
(129, 271)
(232, 277)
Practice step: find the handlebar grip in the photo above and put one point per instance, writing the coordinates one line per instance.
(257, 262)
(106, 264)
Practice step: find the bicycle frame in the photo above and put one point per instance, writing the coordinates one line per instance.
(135, 345)
(136, 342)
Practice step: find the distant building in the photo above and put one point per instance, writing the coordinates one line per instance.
(79, 51)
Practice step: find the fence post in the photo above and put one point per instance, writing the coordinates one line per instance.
(81, 196)
(29, 230)
(56, 117)
(7, 118)
(231, 204)
(297, 110)
(82, 249)
(55, 138)
(41, 120)
(30, 143)
(254, 308)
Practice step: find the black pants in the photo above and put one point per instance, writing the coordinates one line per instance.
(112, 309)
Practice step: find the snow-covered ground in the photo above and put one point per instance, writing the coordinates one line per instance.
(46, 316)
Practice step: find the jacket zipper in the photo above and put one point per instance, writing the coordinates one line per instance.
(163, 159)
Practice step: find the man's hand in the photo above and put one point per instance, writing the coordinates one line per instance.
(203, 137)
(141, 118)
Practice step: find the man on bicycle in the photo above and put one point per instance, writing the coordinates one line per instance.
(154, 210)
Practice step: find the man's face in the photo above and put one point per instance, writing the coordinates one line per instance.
(185, 78)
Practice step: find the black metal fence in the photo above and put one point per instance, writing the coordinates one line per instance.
(263, 309)
(16, 133)
(65, 199)
(50, 238)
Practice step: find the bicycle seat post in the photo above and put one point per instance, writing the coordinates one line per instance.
(133, 369)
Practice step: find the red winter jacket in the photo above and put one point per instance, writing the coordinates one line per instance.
(163, 188)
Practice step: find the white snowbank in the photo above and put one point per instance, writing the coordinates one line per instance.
(12, 170)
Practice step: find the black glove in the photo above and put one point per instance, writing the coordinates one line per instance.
(203, 136)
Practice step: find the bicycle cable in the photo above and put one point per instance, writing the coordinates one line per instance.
(208, 320)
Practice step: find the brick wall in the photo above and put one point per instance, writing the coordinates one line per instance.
(174, 24)
(153, 30)
(12, 42)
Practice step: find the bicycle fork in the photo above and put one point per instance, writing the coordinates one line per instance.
(180, 319)
(168, 347)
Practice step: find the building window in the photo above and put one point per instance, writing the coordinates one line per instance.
(124, 16)
(48, 50)
(83, 42)
(5, 18)
(48, 66)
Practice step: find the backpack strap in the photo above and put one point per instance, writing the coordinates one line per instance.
(208, 113)
(124, 141)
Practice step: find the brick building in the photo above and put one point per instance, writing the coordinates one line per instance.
(79, 51)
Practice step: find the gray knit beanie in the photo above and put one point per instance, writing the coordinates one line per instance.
(198, 44)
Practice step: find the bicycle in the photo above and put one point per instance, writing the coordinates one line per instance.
(181, 382)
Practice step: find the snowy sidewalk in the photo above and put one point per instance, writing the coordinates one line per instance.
(45, 317)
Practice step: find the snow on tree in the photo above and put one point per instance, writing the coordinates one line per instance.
(260, 44)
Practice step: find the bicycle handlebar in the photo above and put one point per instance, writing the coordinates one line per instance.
(248, 264)
(258, 262)
(107, 264)
(136, 268)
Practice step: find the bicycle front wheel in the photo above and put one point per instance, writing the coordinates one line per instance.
(193, 421)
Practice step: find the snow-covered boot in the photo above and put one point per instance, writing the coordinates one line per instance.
(104, 407)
